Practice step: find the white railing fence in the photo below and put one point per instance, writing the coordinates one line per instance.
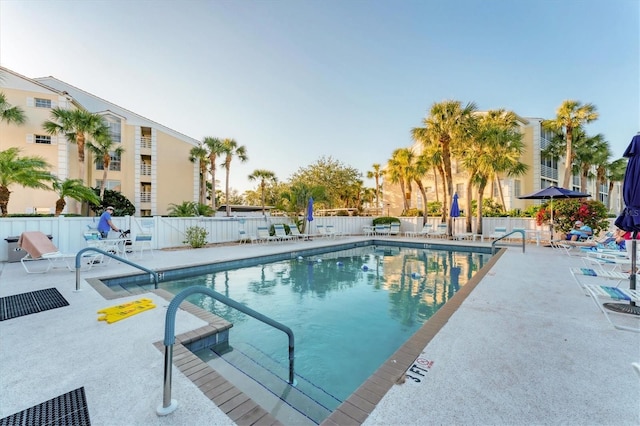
(167, 232)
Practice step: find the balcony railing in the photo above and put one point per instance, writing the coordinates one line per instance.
(145, 142)
(145, 197)
(145, 169)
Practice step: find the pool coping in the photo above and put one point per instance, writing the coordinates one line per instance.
(355, 409)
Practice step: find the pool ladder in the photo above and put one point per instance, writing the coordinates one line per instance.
(154, 274)
(493, 243)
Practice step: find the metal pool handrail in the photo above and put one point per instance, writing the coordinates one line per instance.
(493, 243)
(113, 256)
(169, 405)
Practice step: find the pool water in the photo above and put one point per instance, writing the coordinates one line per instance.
(349, 310)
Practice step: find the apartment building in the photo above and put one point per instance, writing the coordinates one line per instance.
(153, 172)
(541, 174)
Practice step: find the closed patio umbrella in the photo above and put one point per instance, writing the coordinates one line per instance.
(629, 219)
(309, 215)
(455, 211)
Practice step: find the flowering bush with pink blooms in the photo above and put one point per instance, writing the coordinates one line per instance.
(567, 211)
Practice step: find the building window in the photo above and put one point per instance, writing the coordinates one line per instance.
(114, 164)
(516, 188)
(42, 103)
(112, 185)
(43, 139)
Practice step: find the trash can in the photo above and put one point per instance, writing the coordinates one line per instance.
(14, 253)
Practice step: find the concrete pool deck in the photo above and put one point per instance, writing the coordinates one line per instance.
(525, 347)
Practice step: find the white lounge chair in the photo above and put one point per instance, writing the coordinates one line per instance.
(439, 232)
(597, 273)
(498, 232)
(427, 229)
(333, 232)
(293, 230)
(263, 235)
(598, 292)
(394, 229)
(281, 233)
(39, 247)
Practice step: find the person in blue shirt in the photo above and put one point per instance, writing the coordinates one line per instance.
(580, 230)
(105, 224)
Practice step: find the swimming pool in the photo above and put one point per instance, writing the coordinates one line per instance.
(349, 310)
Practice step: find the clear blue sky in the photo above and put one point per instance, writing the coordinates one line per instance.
(294, 80)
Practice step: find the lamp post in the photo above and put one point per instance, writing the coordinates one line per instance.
(388, 204)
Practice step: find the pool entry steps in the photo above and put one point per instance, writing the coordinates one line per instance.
(169, 405)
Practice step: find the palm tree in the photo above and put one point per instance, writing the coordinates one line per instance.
(10, 114)
(570, 114)
(500, 150)
(216, 149)
(103, 147)
(73, 188)
(264, 176)
(400, 171)
(200, 154)
(589, 152)
(77, 125)
(376, 174)
(29, 172)
(447, 124)
(231, 149)
(615, 173)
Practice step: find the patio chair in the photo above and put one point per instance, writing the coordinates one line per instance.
(322, 232)
(293, 231)
(394, 229)
(244, 237)
(142, 242)
(381, 229)
(597, 273)
(439, 232)
(427, 229)
(498, 232)
(333, 232)
(281, 232)
(39, 247)
(598, 292)
(263, 235)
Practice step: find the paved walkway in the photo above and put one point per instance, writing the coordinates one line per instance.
(526, 347)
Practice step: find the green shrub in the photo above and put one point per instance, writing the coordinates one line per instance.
(195, 236)
(385, 220)
(412, 213)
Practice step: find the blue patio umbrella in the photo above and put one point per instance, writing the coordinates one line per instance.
(455, 210)
(551, 193)
(629, 219)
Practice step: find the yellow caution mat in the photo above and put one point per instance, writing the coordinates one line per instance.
(116, 313)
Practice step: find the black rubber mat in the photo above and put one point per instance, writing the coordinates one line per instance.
(29, 303)
(69, 409)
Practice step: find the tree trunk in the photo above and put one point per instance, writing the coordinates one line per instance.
(60, 206)
(481, 188)
(468, 203)
(424, 199)
(504, 205)
(227, 193)
(4, 200)
(568, 159)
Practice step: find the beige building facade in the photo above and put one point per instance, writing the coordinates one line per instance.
(153, 172)
(541, 173)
